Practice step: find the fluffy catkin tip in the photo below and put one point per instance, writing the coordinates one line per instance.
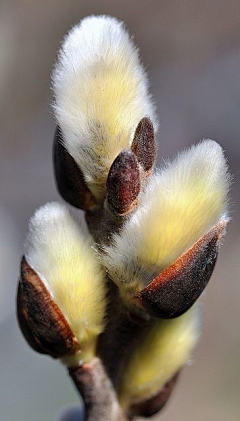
(101, 94)
(181, 204)
(62, 257)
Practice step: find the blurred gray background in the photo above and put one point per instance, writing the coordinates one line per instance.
(191, 49)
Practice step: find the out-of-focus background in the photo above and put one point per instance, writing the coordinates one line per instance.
(191, 49)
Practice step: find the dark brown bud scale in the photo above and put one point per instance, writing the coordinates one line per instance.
(143, 145)
(69, 177)
(123, 183)
(41, 321)
(153, 405)
(177, 288)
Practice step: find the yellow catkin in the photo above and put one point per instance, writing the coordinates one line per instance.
(66, 263)
(161, 353)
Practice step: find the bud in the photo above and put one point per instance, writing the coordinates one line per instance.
(183, 208)
(144, 145)
(101, 94)
(61, 297)
(123, 183)
(155, 362)
(68, 176)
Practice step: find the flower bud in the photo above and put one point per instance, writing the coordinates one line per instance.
(157, 358)
(144, 145)
(123, 183)
(61, 298)
(166, 251)
(101, 94)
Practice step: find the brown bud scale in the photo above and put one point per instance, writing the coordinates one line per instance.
(177, 288)
(123, 183)
(143, 145)
(69, 177)
(40, 319)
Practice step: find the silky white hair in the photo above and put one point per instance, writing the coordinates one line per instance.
(101, 94)
(182, 203)
(63, 258)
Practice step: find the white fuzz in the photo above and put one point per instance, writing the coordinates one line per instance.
(182, 203)
(65, 262)
(101, 94)
(165, 348)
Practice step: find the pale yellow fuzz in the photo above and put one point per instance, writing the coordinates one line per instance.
(181, 204)
(101, 94)
(187, 200)
(165, 348)
(66, 263)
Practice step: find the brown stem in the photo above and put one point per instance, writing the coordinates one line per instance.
(120, 337)
(97, 391)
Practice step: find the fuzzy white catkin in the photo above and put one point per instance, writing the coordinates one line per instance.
(64, 260)
(101, 94)
(182, 203)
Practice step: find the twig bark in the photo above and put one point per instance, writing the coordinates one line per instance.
(97, 391)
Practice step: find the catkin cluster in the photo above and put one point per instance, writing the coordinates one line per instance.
(124, 294)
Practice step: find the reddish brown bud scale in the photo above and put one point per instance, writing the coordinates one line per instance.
(177, 288)
(41, 321)
(68, 176)
(153, 405)
(123, 183)
(144, 145)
